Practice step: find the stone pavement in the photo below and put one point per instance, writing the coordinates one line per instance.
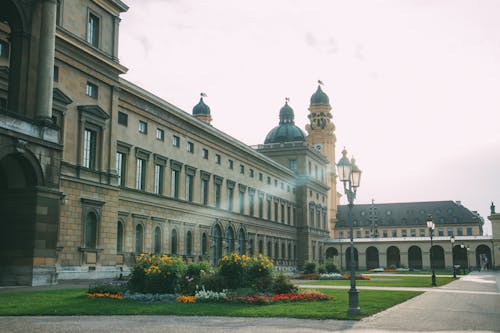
(469, 304)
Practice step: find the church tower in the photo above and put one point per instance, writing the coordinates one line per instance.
(321, 135)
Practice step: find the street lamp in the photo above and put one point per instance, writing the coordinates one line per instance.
(350, 175)
(452, 240)
(431, 226)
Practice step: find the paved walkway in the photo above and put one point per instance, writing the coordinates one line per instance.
(471, 303)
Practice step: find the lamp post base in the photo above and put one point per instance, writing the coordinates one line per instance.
(434, 284)
(353, 303)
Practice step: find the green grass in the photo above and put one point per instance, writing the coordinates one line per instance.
(74, 302)
(388, 281)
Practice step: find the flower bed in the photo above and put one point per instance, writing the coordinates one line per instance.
(279, 298)
(357, 277)
(104, 295)
(331, 276)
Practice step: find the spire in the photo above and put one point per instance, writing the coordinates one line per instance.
(202, 111)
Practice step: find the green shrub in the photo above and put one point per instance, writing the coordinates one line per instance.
(310, 267)
(212, 281)
(192, 280)
(331, 267)
(243, 271)
(108, 287)
(282, 285)
(321, 269)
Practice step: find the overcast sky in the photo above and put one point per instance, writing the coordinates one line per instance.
(414, 85)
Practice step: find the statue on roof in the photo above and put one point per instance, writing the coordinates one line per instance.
(492, 208)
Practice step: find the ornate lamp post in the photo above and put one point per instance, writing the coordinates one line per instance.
(431, 226)
(452, 240)
(349, 174)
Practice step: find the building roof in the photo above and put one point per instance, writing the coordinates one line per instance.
(320, 98)
(411, 214)
(201, 108)
(286, 131)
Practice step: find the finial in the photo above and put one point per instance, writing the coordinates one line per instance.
(287, 99)
(203, 94)
(344, 153)
(320, 82)
(373, 201)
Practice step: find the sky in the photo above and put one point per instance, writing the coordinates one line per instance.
(414, 85)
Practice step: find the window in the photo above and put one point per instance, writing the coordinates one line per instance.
(261, 208)
(341, 234)
(189, 243)
(120, 167)
(122, 118)
(93, 30)
(204, 191)
(89, 149)
(230, 164)
(316, 171)
(358, 233)
(460, 231)
(269, 209)
(394, 233)
(158, 188)
(91, 230)
(242, 202)
(309, 168)
(174, 190)
(92, 90)
(275, 212)
(4, 49)
(261, 176)
(189, 187)
(275, 183)
(217, 194)
(440, 232)
(143, 127)
(268, 180)
(230, 198)
(217, 158)
(413, 232)
(139, 238)
(251, 173)
(288, 215)
(385, 233)
(403, 233)
(422, 232)
(282, 213)
(173, 241)
(293, 164)
(242, 169)
(140, 177)
(119, 237)
(56, 74)
(204, 244)
(251, 204)
(190, 147)
(205, 153)
(367, 234)
(176, 141)
(157, 243)
(160, 134)
(469, 231)
(450, 232)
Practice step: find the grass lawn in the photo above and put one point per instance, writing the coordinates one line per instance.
(74, 302)
(388, 281)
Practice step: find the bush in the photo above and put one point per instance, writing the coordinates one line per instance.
(157, 274)
(192, 280)
(321, 269)
(212, 281)
(331, 267)
(310, 267)
(108, 287)
(282, 285)
(243, 271)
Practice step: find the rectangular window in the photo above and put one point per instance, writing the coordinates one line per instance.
(460, 231)
(268, 209)
(92, 90)
(276, 183)
(190, 147)
(309, 168)
(217, 158)
(56, 74)
(4, 49)
(160, 134)
(205, 153)
(122, 118)
(230, 164)
(422, 232)
(282, 213)
(469, 231)
(120, 168)
(316, 171)
(358, 233)
(288, 215)
(261, 176)
(189, 187)
(204, 192)
(217, 195)
(394, 233)
(242, 169)
(89, 149)
(403, 233)
(158, 188)
(341, 234)
(251, 173)
(413, 232)
(140, 180)
(450, 232)
(292, 164)
(143, 127)
(230, 199)
(242, 202)
(367, 233)
(93, 30)
(268, 180)
(275, 212)
(261, 208)
(174, 186)
(251, 207)
(176, 141)
(384, 233)
(440, 232)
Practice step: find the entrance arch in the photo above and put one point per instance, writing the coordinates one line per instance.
(483, 257)
(348, 258)
(437, 257)
(393, 257)
(460, 256)
(331, 253)
(415, 257)
(372, 258)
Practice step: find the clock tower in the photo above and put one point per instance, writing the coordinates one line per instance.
(321, 136)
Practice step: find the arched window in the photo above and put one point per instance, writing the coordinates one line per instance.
(91, 230)
(189, 243)
(242, 249)
(157, 245)
(269, 249)
(283, 254)
(173, 249)
(204, 244)
(119, 237)
(217, 243)
(230, 240)
(289, 256)
(261, 246)
(139, 238)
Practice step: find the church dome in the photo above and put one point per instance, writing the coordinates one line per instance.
(286, 131)
(319, 97)
(201, 108)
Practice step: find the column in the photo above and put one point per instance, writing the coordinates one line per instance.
(46, 54)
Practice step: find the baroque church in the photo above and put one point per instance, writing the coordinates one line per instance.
(94, 170)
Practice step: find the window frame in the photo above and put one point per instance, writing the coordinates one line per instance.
(93, 29)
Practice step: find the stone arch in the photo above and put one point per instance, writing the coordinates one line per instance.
(393, 256)
(217, 242)
(331, 252)
(348, 258)
(415, 257)
(189, 243)
(19, 168)
(460, 256)
(372, 257)
(483, 257)
(437, 257)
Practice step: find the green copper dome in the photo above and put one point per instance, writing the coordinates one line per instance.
(286, 131)
(319, 97)
(201, 108)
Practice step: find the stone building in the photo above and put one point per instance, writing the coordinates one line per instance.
(94, 169)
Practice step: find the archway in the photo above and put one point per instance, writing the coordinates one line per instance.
(229, 240)
(217, 243)
(483, 257)
(414, 258)
(460, 256)
(331, 253)
(372, 258)
(348, 258)
(437, 257)
(393, 257)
